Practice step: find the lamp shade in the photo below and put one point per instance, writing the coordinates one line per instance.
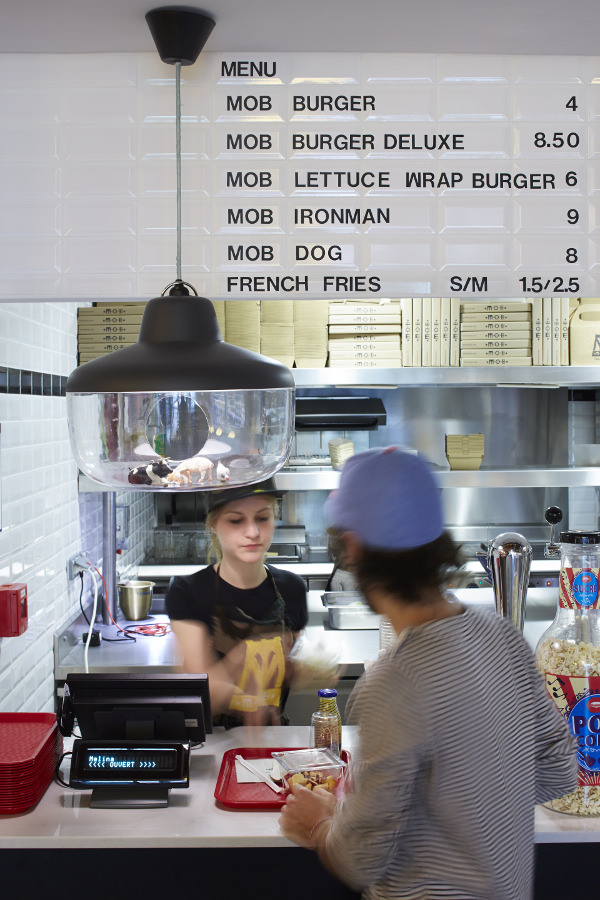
(181, 409)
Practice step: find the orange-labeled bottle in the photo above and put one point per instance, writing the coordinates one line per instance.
(326, 722)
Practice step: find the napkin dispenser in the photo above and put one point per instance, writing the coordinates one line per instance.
(13, 609)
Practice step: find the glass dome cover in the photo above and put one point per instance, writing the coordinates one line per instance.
(181, 409)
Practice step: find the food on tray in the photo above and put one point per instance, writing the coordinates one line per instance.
(312, 780)
(312, 768)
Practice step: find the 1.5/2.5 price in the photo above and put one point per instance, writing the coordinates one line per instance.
(554, 285)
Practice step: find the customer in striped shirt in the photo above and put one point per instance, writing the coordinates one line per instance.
(458, 739)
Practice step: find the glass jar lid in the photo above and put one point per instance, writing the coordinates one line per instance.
(580, 537)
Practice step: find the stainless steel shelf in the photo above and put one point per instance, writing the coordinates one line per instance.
(328, 480)
(515, 376)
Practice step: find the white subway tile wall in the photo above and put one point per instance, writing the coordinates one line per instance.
(38, 479)
(43, 520)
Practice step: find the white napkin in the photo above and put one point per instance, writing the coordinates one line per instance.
(264, 764)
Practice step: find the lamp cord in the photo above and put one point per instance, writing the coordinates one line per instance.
(178, 158)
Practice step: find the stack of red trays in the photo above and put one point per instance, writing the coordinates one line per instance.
(30, 747)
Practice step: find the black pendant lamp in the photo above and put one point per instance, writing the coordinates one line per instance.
(181, 409)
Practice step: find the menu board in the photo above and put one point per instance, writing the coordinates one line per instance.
(382, 175)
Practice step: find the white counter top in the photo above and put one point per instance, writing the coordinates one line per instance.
(63, 818)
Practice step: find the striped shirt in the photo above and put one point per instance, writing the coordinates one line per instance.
(458, 742)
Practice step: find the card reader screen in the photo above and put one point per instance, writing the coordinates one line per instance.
(124, 763)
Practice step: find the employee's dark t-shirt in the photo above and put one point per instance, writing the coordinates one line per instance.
(194, 597)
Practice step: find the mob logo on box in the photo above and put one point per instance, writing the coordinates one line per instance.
(13, 609)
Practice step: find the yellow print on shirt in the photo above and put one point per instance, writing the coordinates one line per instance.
(262, 676)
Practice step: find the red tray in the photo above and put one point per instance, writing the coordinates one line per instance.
(24, 736)
(250, 795)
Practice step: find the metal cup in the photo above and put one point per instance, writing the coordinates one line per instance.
(509, 562)
(135, 599)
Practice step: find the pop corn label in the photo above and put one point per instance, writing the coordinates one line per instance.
(578, 701)
(578, 589)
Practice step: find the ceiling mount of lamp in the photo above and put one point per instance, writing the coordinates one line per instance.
(181, 409)
(179, 32)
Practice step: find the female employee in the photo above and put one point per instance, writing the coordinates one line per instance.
(237, 620)
(458, 738)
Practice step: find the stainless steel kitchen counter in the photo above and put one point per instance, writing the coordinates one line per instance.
(351, 648)
(161, 654)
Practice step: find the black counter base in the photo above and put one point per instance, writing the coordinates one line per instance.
(247, 873)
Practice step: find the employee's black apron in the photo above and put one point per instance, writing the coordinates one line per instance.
(263, 681)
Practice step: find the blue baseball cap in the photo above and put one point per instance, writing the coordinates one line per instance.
(389, 498)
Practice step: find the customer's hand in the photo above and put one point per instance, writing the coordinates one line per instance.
(303, 813)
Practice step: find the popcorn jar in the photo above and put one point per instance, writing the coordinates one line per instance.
(568, 656)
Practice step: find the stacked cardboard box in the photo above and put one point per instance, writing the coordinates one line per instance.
(277, 330)
(242, 324)
(425, 331)
(310, 333)
(496, 333)
(584, 332)
(365, 335)
(219, 307)
(551, 331)
(105, 327)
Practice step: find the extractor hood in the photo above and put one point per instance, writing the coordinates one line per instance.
(339, 413)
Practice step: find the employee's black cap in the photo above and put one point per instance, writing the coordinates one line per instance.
(226, 495)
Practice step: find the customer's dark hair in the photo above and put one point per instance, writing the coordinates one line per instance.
(403, 573)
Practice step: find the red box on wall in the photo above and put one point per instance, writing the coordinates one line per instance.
(13, 609)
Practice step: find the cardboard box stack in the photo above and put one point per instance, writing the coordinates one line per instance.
(496, 333)
(242, 324)
(550, 331)
(585, 332)
(105, 327)
(310, 333)
(277, 330)
(425, 331)
(365, 335)
(219, 306)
